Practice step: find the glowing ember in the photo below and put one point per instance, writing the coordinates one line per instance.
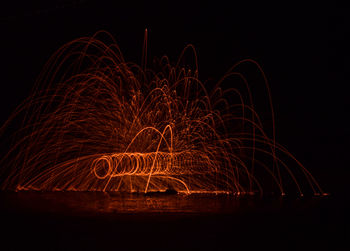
(97, 123)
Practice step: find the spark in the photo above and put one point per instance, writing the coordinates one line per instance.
(95, 122)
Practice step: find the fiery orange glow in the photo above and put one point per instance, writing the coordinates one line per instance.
(95, 122)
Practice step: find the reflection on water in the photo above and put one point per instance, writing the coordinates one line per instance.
(104, 221)
(98, 202)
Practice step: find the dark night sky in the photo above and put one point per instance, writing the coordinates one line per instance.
(297, 45)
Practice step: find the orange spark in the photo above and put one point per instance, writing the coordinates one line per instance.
(95, 122)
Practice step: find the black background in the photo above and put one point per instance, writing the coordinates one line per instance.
(298, 45)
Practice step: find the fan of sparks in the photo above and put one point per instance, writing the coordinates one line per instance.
(95, 122)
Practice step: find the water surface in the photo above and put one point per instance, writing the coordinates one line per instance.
(117, 221)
